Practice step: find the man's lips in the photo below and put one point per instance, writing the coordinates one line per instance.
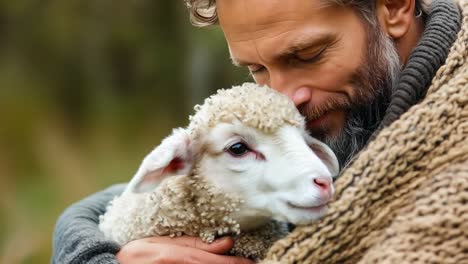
(319, 121)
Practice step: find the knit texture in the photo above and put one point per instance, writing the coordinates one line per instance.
(404, 199)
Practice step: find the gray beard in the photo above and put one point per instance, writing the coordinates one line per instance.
(375, 81)
(361, 122)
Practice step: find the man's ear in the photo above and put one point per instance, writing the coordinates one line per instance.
(326, 155)
(172, 157)
(395, 16)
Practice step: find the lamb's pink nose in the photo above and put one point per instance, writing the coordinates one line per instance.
(324, 184)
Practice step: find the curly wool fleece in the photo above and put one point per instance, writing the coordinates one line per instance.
(188, 204)
(255, 106)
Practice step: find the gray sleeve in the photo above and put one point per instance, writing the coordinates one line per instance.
(77, 238)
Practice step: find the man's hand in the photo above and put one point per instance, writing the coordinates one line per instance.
(185, 249)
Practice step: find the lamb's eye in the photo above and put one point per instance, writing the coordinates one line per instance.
(238, 149)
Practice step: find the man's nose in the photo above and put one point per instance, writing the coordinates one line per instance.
(299, 95)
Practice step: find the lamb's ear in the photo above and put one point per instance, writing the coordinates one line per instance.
(172, 157)
(326, 155)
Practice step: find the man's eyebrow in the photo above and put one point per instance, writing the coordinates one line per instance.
(295, 46)
(305, 43)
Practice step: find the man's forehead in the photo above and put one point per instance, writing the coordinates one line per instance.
(236, 16)
(268, 31)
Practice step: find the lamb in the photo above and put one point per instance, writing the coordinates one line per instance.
(244, 166)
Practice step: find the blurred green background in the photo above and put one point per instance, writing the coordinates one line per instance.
(87, 88)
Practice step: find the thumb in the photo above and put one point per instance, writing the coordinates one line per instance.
(221, 245)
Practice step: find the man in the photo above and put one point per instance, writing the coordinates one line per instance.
(385, 84)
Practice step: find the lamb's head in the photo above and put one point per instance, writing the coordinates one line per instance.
(251, 142)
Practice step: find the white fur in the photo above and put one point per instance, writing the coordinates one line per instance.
(285, 175)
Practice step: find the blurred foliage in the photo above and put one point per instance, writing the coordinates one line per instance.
(87, 88)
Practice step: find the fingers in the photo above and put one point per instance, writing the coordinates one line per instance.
(188, 255)
(187, 250)
(219, 246)
(234, 260)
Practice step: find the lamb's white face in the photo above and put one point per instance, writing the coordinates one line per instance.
(286, 176)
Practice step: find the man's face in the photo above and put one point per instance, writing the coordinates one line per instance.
(318, 54)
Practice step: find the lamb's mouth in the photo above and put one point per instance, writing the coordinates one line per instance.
(315, 208)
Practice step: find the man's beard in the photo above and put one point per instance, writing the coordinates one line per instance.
(373, 83)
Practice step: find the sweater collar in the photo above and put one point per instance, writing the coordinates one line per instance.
(442, 25)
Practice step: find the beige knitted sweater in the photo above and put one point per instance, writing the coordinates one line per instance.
(405, 197)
